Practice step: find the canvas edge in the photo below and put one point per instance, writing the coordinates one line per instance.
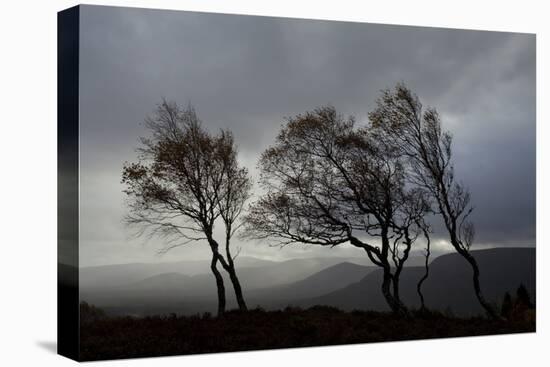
(68, 34)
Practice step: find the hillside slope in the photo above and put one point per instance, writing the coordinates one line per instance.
(449, 285)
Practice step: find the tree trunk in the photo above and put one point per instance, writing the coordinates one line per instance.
(380, 258)
(451, 224)
(426, 272)
(477, 287)
(386, 283)
(229, 266)
(399, 268)
(395, 304)
(393, 301)
(219, 283)
(421, 281)
(232, 271)
(237, 286)
(475, 269)
(395, 282)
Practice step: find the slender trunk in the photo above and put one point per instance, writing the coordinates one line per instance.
(229, 267)
(396, 306)
(451, 224)
(426, 273)
(396, 288)
(232, 271)
(393, 300)
(421, 281)
(237, 287)
(395, 282)
(386, 284)
(475, 271)
(380, 258)
(399, 264)
(477, 287)
(396, 296)
(219, 283)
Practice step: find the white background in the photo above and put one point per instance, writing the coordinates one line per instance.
(28, 183)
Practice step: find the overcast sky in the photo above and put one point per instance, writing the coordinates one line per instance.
(247, 73)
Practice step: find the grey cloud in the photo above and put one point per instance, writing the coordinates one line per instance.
(248, 73)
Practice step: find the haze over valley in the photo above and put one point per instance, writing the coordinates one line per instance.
(347, 283)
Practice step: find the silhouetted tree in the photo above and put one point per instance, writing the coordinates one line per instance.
(523, 299)
(184, 181)
(418, 135)
(327, 183)
(517, 308)
(90, 313)
(507, 306)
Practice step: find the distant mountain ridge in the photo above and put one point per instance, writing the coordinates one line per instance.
(449, 285)
(331, 281)
(122, 274)
(326, 280)
(275, 272)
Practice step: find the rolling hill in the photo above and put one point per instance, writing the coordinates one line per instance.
(326, 280)
(449, 285)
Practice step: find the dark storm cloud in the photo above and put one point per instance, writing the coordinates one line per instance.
(248, 73)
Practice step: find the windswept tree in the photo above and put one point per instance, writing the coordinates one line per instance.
(327, 183)
(234, 193)
(395, 212)
(418, 136)
(186, 180)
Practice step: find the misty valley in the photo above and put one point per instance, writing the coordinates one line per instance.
(348, 284)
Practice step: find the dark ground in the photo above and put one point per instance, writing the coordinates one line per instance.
(126, 337)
